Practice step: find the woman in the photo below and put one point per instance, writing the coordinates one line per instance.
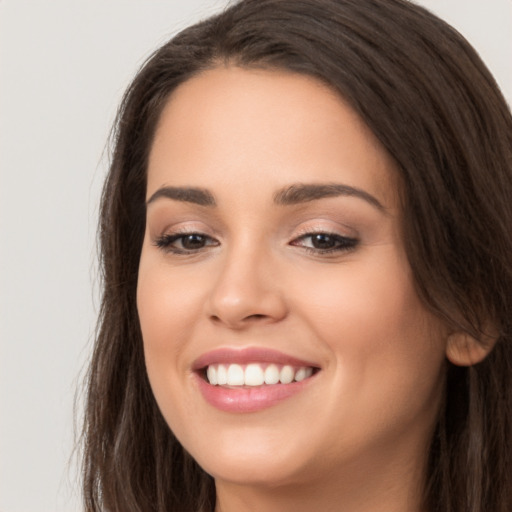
(307, 282)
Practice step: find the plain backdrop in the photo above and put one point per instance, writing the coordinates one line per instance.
(63, 67)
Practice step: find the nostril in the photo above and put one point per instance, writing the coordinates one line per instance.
(243, 321)
(239, 312)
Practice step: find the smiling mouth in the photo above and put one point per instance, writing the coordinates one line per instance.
(255, 374)
(251, 379)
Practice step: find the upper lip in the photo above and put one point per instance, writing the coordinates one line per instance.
(248, 355)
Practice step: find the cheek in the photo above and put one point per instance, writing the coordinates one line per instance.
(373, 301)
(166, 309)
(383, 343)
(168, 300)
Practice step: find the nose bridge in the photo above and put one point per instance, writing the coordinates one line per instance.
(246, 288)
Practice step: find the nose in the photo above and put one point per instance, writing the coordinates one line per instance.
(247, 291)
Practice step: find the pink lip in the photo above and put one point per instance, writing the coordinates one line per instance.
(248, 399)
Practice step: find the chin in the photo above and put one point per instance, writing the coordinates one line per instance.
(250, 472)
(250, 458)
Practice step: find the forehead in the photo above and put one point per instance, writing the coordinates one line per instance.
(231, 123)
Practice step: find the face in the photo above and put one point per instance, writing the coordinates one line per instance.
(283, 337)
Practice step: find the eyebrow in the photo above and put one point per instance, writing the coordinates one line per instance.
(294, 194)
(193, 195)
(305, 192)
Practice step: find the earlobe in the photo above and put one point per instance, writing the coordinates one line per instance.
(462, 349)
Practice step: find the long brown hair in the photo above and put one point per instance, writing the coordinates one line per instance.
(434, 106)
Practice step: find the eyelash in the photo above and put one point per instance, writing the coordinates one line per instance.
(342, 243)
(165, 242)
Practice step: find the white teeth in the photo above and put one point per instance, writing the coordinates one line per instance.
(222, 375)
(235, 375)
(303, 373)
(286, 375)
(271, 374)
(211, 373)
(255, 374)
(300, 375)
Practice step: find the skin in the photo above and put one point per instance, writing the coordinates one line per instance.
(355, 438)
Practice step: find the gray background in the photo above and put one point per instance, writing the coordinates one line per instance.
(63, 67)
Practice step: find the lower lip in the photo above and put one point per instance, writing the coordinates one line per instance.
(249, 399)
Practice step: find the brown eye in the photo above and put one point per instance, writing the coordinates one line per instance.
(323, 243)
(185, 243)
(193, 241)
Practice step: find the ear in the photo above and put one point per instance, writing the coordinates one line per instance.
(462, 349)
